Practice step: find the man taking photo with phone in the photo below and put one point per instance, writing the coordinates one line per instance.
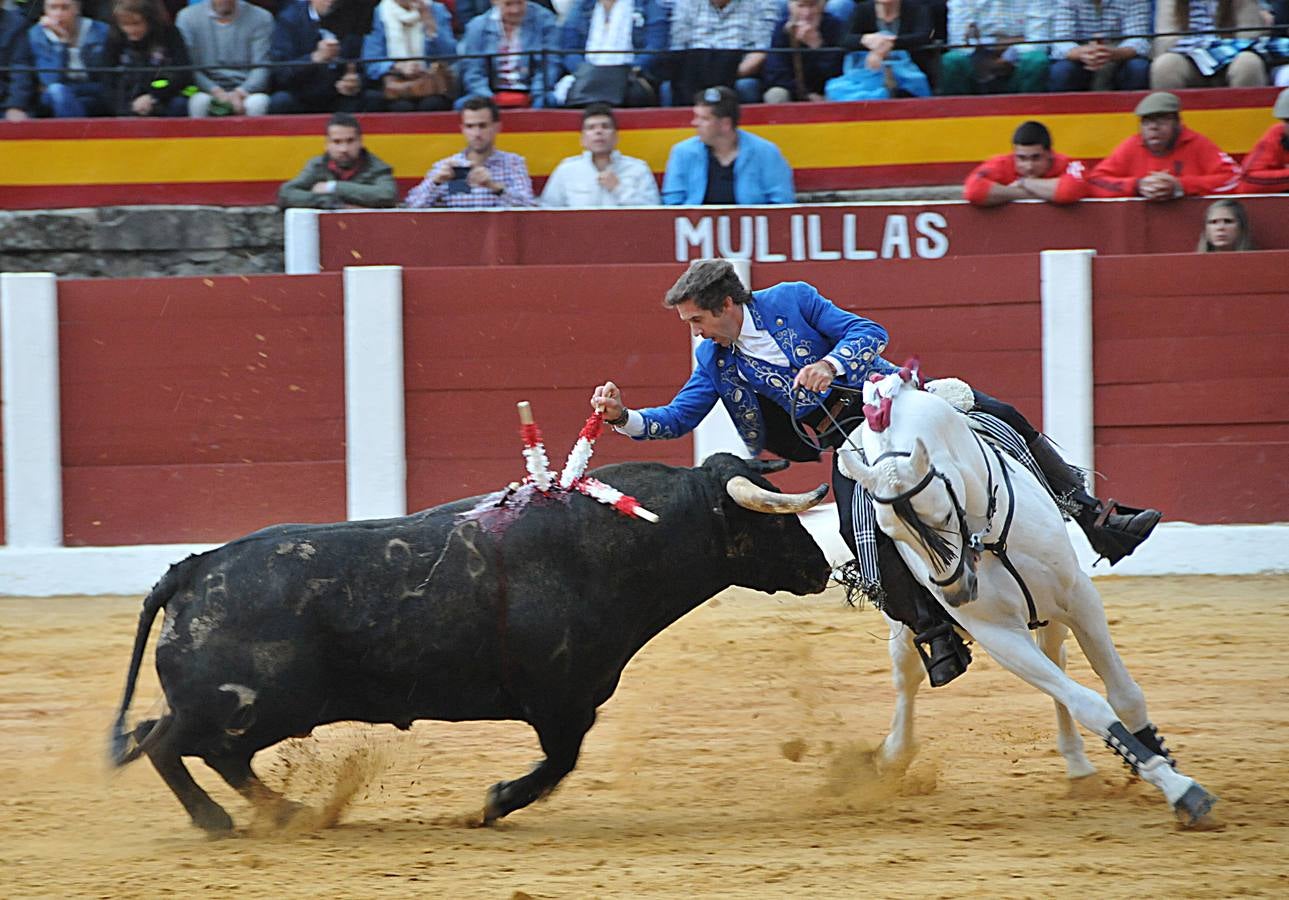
(479, 176)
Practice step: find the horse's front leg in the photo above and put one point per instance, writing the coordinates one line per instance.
(907, 671)
(1069, 742)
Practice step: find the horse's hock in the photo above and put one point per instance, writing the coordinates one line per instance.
(683, 787)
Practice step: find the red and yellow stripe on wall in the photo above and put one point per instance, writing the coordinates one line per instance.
(831, 146)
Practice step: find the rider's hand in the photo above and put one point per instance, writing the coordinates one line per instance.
(815, 377)
(607, 398)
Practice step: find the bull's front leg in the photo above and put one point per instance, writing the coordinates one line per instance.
(561, 741)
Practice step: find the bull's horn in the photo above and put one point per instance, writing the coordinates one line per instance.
(758, 499)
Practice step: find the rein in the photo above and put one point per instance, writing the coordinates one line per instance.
(974, 542)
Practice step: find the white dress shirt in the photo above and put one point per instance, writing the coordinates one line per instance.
(576, 183)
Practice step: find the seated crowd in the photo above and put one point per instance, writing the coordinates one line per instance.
(725, 165)
(232, 57)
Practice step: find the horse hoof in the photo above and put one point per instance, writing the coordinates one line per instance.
(1194, 808)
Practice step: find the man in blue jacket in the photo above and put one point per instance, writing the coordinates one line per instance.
(325, 76)
(776, 355)
(722, 164)
(524, 74)
(15, 55)
(64, 44)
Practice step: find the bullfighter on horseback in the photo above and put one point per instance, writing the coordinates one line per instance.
(786, 357)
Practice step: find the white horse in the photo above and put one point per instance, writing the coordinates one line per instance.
(985, 538)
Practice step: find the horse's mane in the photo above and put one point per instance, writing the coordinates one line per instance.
(931, 539)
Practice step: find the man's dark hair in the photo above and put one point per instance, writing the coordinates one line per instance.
(600, 109)
(476, 102)
(708, 282)
(1030, 133)
(345, 120)
(722, 100)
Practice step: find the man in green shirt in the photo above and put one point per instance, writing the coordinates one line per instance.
(346, 176)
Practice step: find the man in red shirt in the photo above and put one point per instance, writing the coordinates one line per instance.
(1165, 160)
(1266, 168)
(1032, 171)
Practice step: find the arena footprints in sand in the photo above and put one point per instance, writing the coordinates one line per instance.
(687, 785)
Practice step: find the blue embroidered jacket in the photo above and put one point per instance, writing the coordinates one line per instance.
(807, 327)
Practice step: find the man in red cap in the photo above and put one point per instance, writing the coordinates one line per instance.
(1266, 168)
(1032, 171)
(1164, 160)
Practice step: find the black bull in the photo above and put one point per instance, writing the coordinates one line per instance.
(526, 612)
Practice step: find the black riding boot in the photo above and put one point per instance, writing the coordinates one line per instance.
(1113, 530)
(943, 652)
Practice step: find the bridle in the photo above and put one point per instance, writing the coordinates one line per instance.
(936, 547)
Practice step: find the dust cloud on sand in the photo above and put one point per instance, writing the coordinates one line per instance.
(736, 760)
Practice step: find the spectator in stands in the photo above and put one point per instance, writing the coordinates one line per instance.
(63, 45)
(1165, 160)
(15, 53)
(600, 175)
(1266, 168)
(801, 75)
(481, 175)
(1085, 59)
(880, 26)
(724, 42)
(1001, 63)
(521, 75)
(346, 176)
(230, 39)
(1032, 171)
(141, 37)
(414, 33)
(723, 164)
(324, 77)
(627, 34)
(464, 11)
(1206, 60)
(1226, 228)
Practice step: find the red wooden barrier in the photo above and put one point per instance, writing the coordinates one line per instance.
(775, 236)
(476, 341)
(1192, 383)
(198, 409)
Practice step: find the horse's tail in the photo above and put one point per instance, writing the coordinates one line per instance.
(121, 751)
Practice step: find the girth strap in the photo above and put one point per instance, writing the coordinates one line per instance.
(999, 547)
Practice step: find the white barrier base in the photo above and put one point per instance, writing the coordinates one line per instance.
(59, 571)
(1175, 548)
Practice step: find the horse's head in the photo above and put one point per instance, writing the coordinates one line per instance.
(917, 502)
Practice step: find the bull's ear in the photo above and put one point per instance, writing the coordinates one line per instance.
(767, 466)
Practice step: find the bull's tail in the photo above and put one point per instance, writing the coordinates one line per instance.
(127, 744)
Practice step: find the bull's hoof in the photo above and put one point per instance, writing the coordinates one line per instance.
(213, 820)
(492, 804)
(1194, 810)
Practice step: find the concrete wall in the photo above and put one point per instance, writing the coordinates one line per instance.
(142, 241)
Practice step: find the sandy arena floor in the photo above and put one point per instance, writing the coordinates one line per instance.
(731, 763)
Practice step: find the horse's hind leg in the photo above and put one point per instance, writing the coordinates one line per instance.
(907, 672)
(1125, 695)
(1087, 620)
(1014, 651)
(163, 751)
(268, 803)
(1051, 638)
